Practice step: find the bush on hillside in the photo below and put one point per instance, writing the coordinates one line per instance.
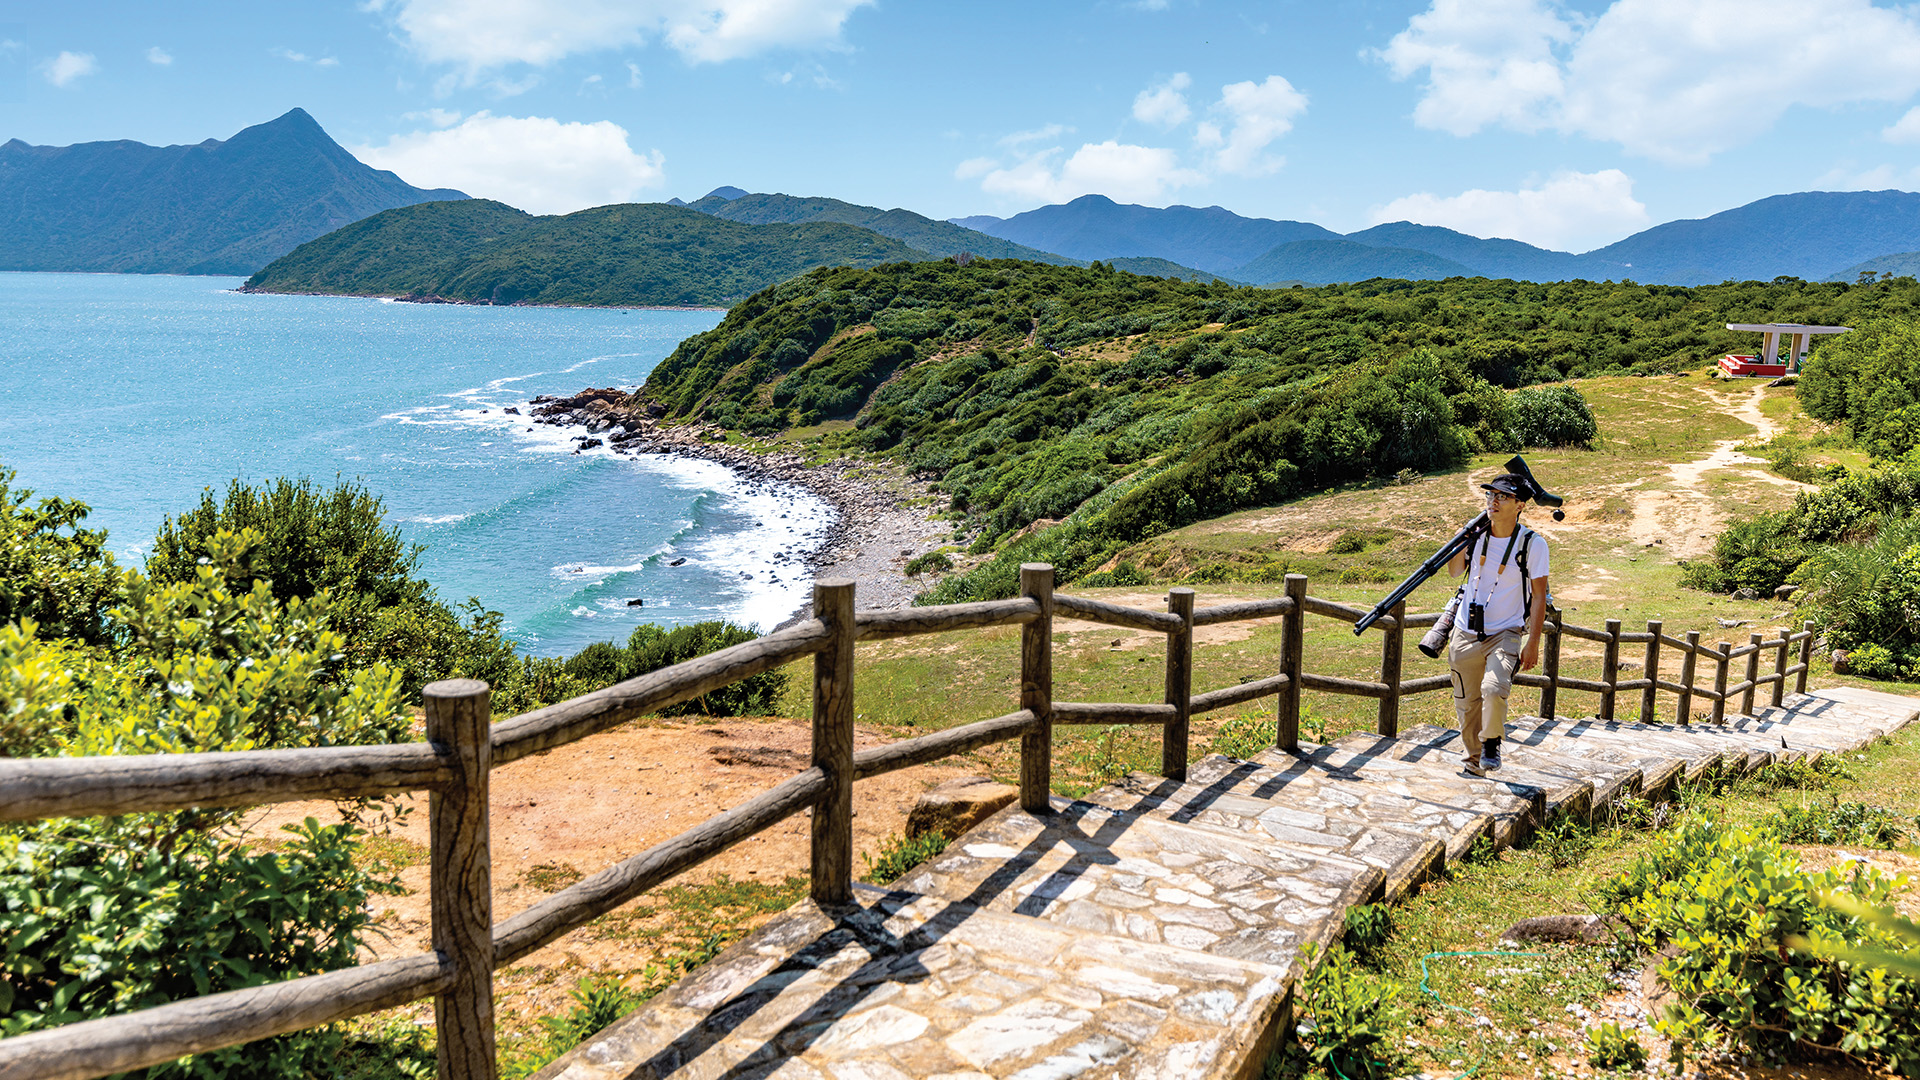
(650, 648)
(1866, 596)
(1554, 415)
(53, 572)
(336, 540)
(100, 916)
(1869, 380)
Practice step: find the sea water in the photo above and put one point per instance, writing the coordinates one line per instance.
(134, 394)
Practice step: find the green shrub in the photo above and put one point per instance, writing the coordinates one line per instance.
(1366, 929)
(1869, 594)
(1353, 1019)
(932, 562)
(1717, 902)
(1124, 574)
(597, 1003)
(1836, 822)
(1611, 1047)
(650, 648)
(1869, 380)
(1242, 737)
(53, 572)
(898, 854)
(1552, 415)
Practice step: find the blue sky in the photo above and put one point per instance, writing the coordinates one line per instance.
(1563, 125)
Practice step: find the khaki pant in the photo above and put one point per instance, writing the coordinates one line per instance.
(1482, 681)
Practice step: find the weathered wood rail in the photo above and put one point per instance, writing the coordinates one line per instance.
(463, 746)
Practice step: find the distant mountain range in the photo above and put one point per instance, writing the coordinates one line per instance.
(234, 207)
(938, 239)
(214, 208)
(1812, 235)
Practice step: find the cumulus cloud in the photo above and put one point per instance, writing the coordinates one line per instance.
(1120, 171)
(1256, 114)
(540, 165)
(1234, 139)
(160, 56)
(1904, 130)
(1674, 82)
(62, 70)
(1164, 105)
(482, 34)
(1570, 211)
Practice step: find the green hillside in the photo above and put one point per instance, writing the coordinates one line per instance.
(629, 254)
(1136, 404)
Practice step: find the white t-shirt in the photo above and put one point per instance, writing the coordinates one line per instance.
(1501, 592)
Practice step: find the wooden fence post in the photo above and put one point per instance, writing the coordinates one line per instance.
(1393, 643)
(1550, 693)
(1780, 668)
(1173, 746)
(1650, 667)
(1036, 690)
(1687, 664)
(1753, 672)
(832, 856)
(1806, 658)
(1292, 650)
(459, 725)
(1610, 669)
(1720, 662)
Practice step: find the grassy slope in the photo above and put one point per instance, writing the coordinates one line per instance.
(1600, 573)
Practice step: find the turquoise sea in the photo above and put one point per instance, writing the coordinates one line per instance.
(135, 393)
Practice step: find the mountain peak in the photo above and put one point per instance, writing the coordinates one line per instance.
(727, 192)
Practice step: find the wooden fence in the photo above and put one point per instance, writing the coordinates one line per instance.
(463, 746)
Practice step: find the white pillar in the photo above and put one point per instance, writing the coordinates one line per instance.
(1772, 347)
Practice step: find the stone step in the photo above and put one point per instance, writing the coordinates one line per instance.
(1405, 854)
(1141, 877)
(1451, 807)
(1658, 771)
(1567, 735)
(1562, 796)
(900, 985)
(1610, 780)
(1153, 929)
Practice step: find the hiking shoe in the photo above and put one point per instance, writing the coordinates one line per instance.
(1476, 766)
(1489, 762)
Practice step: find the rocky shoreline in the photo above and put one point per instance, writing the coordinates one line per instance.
(877, 528)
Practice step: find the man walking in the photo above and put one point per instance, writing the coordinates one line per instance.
(1505, 597)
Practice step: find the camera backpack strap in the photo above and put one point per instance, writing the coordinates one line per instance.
(1526, 579)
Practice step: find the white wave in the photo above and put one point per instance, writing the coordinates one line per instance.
(434, 519)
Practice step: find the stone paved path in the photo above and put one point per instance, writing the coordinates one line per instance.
(1154, 929)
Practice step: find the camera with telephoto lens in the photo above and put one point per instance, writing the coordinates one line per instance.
(1436, 638)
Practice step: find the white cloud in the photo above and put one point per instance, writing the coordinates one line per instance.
(634, 81)
(1671, 81)
(1570, 211)
(1164, 105)
(482, 34)
(1904, 130)
(1120, 171)
(68, 66)
(538, 164)
(1258, 113)
(303, 58)
(1246, 120)
(158, 55)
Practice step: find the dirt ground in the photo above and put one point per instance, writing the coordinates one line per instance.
(585, 806)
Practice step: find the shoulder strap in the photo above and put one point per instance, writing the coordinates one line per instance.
(1526, 579)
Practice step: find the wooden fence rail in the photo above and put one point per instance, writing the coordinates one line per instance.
(463, 746)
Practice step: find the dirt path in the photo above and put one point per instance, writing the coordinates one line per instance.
(1681, 515)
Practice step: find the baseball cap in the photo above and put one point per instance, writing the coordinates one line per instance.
(1511, 484)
